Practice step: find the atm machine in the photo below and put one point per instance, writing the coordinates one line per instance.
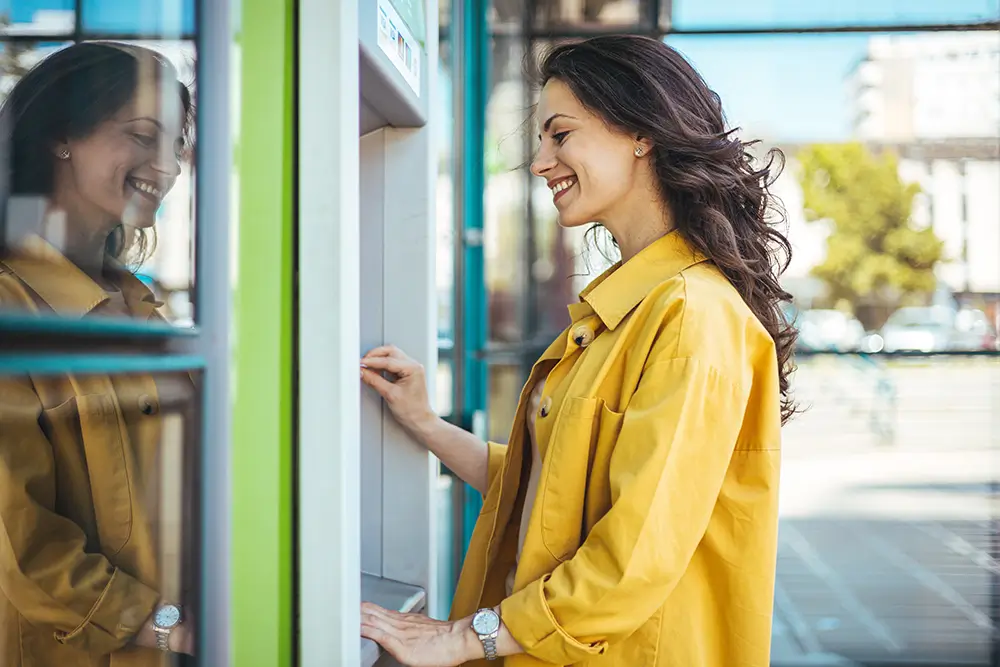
(366, 229)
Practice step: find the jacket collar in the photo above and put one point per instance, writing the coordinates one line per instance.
(614, 294)
(67, 290)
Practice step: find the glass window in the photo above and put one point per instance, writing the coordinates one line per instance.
(506, 16)
(737, 14)
(445, 385)
(444, 13)
(101, 481)
(445, 204)
(589, 12)
(97, 199)
(507, 124)
(18, 57)
(150, 17)
(39, 17)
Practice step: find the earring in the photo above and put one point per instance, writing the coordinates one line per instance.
(64, 154)
(638, 151)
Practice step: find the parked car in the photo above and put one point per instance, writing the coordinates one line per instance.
(823, 330)
(973, 331)
(918, 329)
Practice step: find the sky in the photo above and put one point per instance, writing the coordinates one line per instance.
(792, 87)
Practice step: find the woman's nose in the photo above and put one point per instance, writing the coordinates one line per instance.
(167, 162)
(542, 163)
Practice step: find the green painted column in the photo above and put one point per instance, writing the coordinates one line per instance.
(263, 411)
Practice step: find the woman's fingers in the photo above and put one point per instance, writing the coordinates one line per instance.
(386, 351)
(375, 380)
(391, 364)
(397, 618)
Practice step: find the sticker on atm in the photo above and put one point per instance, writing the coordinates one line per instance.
(398, 44)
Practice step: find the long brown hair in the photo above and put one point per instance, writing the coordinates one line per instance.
(717, 193)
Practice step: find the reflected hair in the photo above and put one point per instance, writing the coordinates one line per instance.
(716, 191)
(67, 96)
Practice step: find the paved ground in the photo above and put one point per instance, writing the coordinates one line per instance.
(887, 543)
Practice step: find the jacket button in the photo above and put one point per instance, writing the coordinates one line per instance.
(546, 407)
(583, 335)
(147, 405)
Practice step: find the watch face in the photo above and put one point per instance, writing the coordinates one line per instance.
(167, 616)
(486, 622)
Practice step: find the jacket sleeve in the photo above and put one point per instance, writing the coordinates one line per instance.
(45, 570)
(495, 455)
(669, 462)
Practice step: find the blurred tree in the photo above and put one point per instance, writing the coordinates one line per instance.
(11, 53)
(875, 254)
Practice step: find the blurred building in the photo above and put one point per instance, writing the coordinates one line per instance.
(927, 87)
(934, 98)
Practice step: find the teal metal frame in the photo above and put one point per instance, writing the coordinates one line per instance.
(106, 364)
(472, 45)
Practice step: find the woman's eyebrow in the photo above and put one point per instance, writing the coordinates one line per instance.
(548, 123)
(148, 119)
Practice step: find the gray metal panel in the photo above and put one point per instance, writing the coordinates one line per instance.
(213, 315)
(371, 120)
(381, 85)
(373, 190)
(410, 315)
(329, 458)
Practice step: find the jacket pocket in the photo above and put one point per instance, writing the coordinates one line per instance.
(564, 483)
(598, 498)
(107, 469)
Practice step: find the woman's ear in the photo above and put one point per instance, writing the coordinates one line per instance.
(61, 151)
(643, 145)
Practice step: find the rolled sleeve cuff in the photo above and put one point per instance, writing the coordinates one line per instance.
(530, 621)
(115, 618)
(494, 463)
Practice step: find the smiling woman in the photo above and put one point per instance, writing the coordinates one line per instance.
(94, 138)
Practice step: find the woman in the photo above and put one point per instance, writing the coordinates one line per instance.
(632, 518)
(92, 137)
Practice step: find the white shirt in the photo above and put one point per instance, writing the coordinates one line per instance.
(534, 402)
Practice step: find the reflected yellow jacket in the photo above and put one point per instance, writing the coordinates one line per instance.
(653, 536)
(78, 566)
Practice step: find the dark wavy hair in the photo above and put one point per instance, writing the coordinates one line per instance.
(68, 95)
(707, 176)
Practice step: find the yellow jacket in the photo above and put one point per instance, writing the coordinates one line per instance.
(653, 536)
(78, 464)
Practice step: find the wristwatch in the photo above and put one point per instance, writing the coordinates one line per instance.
(165, 619)
(486, 624)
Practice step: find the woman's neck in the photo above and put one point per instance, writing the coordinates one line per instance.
(81, 243)
(637, 226)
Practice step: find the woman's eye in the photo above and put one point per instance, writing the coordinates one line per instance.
(145, 140)
(560, 137)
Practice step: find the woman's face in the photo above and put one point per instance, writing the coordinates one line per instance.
(590, 168)
(124, 168)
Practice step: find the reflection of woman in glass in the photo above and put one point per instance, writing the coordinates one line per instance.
(632, 518)
(91, 143)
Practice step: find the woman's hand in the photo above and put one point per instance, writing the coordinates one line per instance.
(406, 396)
(182, 637)
(417, 641)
